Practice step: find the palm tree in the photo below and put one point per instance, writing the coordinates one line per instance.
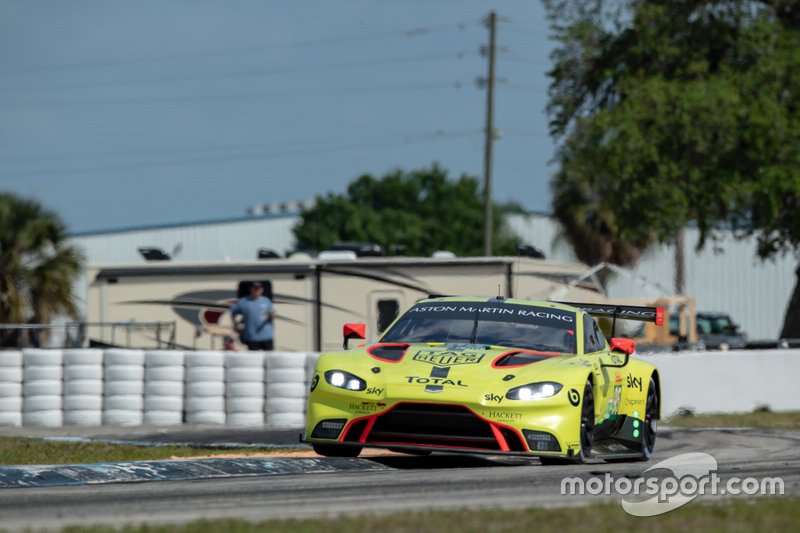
(589, 224)
(37, 266)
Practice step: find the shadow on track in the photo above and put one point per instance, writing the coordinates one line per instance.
(432, 462)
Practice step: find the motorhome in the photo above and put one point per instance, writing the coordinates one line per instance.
(313, 297)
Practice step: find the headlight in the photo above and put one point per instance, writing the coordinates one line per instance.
(345, 380)
(534, 391)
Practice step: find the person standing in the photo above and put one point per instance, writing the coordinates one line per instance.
(257, 313)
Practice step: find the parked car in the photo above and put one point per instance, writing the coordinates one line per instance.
(716, 331)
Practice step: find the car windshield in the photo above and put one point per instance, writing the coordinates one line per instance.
(714, 325)
(489, 323)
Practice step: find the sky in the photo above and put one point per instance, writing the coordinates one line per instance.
(117, 113)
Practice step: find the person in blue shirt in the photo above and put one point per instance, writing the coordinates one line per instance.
(257, 313)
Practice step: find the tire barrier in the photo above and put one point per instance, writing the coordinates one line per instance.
(205, 397)
(123, 399)
(244, 388)
(285, 390)
(42, 387)
(164, 373)
(83, 387)
(11, 388)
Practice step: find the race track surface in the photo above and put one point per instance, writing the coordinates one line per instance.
(434, 482)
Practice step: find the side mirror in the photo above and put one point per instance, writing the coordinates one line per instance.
(620, 346)
(626, 346)
(353, 331)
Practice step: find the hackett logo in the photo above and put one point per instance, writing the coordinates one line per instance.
(448, 358)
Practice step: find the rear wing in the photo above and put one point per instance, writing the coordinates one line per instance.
(626, 312)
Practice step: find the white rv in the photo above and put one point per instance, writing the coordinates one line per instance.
(313, 298)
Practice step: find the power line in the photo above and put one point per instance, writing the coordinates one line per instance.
(243, 73)
(526, 88)
(179, 56)
(299, 151)
(189, 99)
(525, 61)
(293, 143)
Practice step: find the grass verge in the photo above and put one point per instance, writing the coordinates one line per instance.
(757, 419)
(772, 514)
(25, 451)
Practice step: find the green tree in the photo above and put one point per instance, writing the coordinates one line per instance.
(678, 112)
(421, 211)
(37, 266)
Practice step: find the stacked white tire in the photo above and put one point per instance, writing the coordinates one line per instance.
(83, 387)
(205, 387)
(124, 388)
(10, 388)
(285, 390)
(244, 388)
(42, 387)
(163, 387)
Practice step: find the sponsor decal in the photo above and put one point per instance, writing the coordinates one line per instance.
(502, 312)
(422, 380)
(366, 407)
(493, 398)
(374, 390)
(502, 415)
(448, 358)
(635, 382)
(612, 410)
(574, 397)
(628, 401)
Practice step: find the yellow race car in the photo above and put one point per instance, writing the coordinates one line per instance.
(489, 375)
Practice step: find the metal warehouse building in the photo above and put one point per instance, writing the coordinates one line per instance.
(726, 276)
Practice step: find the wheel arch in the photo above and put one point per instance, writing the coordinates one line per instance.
(657, 381)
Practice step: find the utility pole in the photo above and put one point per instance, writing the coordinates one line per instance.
(491, 22)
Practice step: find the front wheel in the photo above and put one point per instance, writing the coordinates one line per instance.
(336, 450)
(586, 432)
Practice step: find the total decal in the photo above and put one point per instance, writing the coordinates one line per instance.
(423, 380)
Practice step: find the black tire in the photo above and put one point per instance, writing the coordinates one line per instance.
(586, 432)
(650, 428)
(336, 450)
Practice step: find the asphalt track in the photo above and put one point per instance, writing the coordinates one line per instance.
(401, 483)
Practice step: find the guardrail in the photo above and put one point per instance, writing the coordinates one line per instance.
(78, 334)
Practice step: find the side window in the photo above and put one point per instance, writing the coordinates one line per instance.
(592, 336)
(598, 335)
(387, 312)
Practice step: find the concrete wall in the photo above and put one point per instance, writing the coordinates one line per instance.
(735, 381)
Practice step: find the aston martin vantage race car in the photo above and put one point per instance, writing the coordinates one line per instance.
(490, 375)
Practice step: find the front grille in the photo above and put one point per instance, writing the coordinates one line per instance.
(446, 426)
